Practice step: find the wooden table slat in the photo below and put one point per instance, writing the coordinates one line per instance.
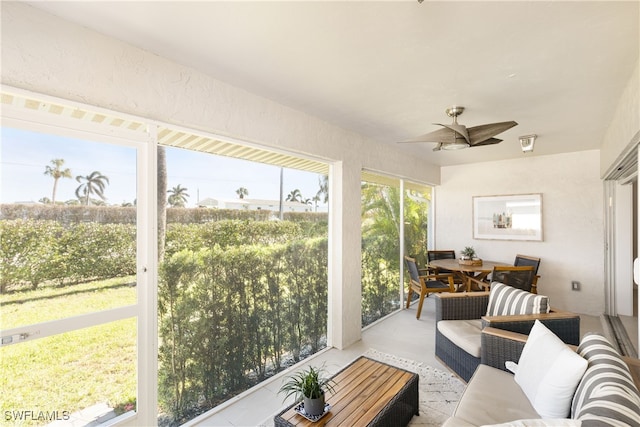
(368, 406)
(363, 390)
(354, 406)
(347, 383)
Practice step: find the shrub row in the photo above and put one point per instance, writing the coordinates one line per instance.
(231, 317)
(33, 252)
(68, 215)
(238, 300)
(36, 251)
(229, 233)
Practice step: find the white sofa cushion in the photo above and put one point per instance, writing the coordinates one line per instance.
(491, 396)
(506, 300)
(549, 372)
(466, 334)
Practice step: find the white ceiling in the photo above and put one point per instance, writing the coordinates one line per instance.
(389, 70)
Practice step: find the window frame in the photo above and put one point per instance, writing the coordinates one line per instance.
(145, 140)
(38, 121)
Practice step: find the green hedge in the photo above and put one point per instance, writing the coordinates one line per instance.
(229, 316)
(238, 300)
(230, 233)
(34, 251)
(37, 251)
(380, 278)
(67, 215)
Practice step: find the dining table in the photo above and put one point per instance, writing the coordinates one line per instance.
(463, 271)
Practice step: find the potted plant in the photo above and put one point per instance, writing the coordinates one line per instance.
(309, 386)
(468, 253)
(469, 257)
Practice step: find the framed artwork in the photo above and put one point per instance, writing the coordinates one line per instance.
(513, 217)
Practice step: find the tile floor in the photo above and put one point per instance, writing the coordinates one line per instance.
(399, 334)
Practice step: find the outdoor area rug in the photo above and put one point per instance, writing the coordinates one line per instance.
(439, 391)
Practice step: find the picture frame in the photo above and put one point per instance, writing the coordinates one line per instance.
(508, 217)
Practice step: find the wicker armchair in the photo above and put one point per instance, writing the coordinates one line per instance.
(471, 307)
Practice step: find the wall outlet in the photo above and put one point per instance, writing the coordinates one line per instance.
(575, 285)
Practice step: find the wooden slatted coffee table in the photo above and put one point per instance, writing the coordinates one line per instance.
(367, 393)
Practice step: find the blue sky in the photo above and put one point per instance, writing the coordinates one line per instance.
(24, 156)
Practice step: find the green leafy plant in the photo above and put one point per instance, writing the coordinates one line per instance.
(468, 252)
(310, 382)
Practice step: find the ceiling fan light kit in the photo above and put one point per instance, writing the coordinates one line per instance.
(526, 142)
(458, 144)
(456, 136)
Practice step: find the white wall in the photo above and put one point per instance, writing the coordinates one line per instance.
(572, 200)
(624, 129)
(45, 54)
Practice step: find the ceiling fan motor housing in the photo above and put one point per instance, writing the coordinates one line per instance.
(454, 111)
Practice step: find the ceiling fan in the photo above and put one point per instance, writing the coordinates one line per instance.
(456, 136)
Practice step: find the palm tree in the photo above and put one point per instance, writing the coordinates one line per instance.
(161, 200)
(294, 196)
(381, 218)
(178, 197)
(323, 191)
(93, 183)
(56, 172)
(241, 192)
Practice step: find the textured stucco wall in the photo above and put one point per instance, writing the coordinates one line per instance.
(572, 195)
(45, 54)
(624, 129)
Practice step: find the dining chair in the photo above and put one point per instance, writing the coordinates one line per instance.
(518, 277)
(440, 254)
(522, 260)
(425, 284)
(443, 254)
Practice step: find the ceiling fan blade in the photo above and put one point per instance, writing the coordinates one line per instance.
(481, 133)
(459, 129)
(435, 136)
(489, 141)
(456, 136)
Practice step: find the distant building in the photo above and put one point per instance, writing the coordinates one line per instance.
(254, 205)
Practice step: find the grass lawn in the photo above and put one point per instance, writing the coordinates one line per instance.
(71, 371)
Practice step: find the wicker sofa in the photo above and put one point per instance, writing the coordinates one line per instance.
(458, 343)
(604, 395)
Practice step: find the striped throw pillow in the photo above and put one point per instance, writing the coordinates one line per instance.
(606, 395)
(506, 300)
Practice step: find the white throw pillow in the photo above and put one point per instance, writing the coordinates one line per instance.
(549, 372)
